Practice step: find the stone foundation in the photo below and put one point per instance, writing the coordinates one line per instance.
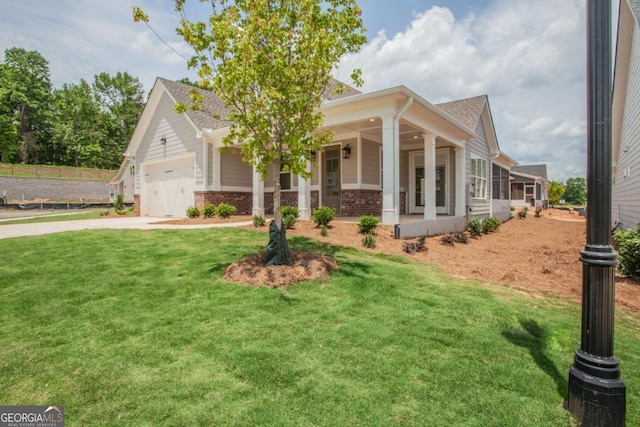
(242, 201)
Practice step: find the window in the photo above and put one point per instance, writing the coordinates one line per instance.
(478, 177)
(285, 179)
(500, 183)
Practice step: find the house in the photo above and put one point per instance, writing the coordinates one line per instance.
(501, 186)
(529, 186)
(423, 168)
(625, 120)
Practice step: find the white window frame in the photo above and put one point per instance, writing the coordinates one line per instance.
(479, 177)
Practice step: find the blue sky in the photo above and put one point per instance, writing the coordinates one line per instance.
(527, 56)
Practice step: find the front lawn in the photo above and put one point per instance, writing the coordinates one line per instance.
(129, 327)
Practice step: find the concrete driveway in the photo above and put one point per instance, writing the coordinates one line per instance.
(136, 222)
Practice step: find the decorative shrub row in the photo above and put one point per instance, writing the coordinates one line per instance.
(223, 210)
(476, 226)
(627, 244)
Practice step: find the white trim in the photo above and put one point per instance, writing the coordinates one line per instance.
(232, 188)
(360, 187)
(444, 210)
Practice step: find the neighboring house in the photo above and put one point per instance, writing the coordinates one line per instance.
(529, 186)
(501, 186)
(421, 167)
(626, 118)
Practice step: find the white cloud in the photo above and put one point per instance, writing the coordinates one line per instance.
(527, 56)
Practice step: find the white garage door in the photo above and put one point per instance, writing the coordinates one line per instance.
(168, 188)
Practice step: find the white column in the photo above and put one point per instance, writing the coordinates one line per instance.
(429, 176)
(461, 179)
(388, 181)
(258, 193)
(304, 196)
(216, 184)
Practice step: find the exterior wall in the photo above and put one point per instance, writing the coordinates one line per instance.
(241, 200)
(181, 139)
(57, 189)
(234, 172)
(370, 162)
(626, 187)
(361, 202)
(136, 205)
(480, 147)
(350, 165)
(287, 198)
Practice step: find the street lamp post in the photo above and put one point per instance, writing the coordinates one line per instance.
(596, 390)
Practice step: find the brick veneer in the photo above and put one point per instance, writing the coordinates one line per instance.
(361, 202)
(243, 201)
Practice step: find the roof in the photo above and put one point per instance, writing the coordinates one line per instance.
(532, 170)
(634, 5)
(466, 111)
(213, 106)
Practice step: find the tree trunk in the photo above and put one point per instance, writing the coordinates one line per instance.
(278, 252)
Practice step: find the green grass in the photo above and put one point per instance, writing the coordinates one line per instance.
(55, 217)
(138, 328)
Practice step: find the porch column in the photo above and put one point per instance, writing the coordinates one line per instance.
(304, 196)
(258, 193)
(461, 180)
(429, 176)
(388, 175)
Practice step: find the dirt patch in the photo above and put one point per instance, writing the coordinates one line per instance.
(537, 256)
(305, 266)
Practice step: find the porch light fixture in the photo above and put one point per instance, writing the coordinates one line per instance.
(163, 140)
(346, 152)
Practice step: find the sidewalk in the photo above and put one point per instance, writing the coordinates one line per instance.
(139, 223)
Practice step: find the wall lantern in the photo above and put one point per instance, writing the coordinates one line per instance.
(163, 140)
(346, 152)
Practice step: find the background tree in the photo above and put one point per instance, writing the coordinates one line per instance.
(122, 98)
(270, 61)
(575, 191)
(25, 95)
(555, 192)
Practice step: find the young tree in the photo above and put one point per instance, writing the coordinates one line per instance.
(575, 191)
(270, 61)
(555, 191)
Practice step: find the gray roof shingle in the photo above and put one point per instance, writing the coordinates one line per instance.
(213, 106)
(466, 111)
(533, 170)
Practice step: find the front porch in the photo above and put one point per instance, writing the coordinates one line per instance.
(415, 225)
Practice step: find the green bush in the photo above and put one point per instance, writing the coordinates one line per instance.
(627, 244)
(290, 210)
(474, 227)
(289, 220)
(538, 212)
(522, 214)
(105, 213)
(369, 240)
(367, 224)
(209, 211)
(490, 225)
(258, 221)
(118, 203)
(323, 215)
(193, 212)
(225, 210)
(324, 230)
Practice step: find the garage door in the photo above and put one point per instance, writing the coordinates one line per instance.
(168, 188)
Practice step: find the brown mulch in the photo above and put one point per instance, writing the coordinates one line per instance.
(537, 256)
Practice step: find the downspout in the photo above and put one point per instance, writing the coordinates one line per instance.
(396, 165)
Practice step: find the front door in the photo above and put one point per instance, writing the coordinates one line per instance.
(331, 178)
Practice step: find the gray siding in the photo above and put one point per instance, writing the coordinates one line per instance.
(370, 162)
(480, 147)
(350, 165)
(626, 188)
(181, 140)
(404, 170)
(234, 172)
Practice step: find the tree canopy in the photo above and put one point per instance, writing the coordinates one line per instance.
(575, 191)
(555, 191)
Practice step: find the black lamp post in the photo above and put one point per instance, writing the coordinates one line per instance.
(596, 390)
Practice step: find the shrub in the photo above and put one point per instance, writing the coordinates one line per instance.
(323, 215)
(522, 214)
(369, 240)
(490, 225)
(225, 210)
(258, 221)
(474, 227)
(461, 237)
(448, 240)
(512, 208)
(627, 244)
(289, 210)
(418, 246)
(367, 224)
(538, 211)
(105, 213)
(289, 220)
(193, 212)
(118, 203)
(324, 230)
(209, 211)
